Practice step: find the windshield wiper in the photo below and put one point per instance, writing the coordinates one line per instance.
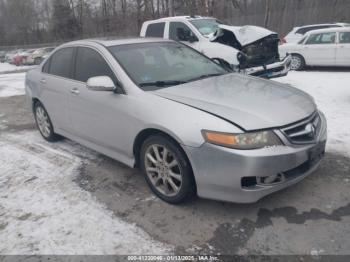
(204, 76)
(163, 83)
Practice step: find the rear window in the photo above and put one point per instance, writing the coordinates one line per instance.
(61, 62)
(155, 30)
(344, 38)
(304, 30)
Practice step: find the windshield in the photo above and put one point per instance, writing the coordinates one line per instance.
(206, 26)
(158, 65)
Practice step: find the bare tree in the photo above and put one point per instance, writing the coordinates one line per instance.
(35, 21)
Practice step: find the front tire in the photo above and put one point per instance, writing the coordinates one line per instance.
(297, 63)
(44, 123)
(167, 170)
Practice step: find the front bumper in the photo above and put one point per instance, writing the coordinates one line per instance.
(277, 69)
(220, 172)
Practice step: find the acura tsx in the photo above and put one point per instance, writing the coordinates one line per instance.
(191, 126)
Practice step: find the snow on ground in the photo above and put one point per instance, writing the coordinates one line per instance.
(43, 211)
(12, 84)
(6, 67)
(331, 91)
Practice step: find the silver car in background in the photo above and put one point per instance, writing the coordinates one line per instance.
(187, 123)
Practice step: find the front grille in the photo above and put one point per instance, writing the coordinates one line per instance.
(304, 132)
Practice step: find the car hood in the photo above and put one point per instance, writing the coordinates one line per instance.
(245, 35)
(248, 102)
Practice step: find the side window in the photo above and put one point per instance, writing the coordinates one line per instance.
(89, 63)
(46, 66)
(178, 31)
(61, 62)
(344, 38)
(317, 39)
(155, 30)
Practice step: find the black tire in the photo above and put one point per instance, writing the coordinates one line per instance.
(298, 64)
(187, 189)
(50, 136)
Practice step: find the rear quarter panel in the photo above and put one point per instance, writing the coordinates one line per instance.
(32, 85)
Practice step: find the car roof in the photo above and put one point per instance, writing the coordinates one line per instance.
(326, 24)
(328, 30)
(183, 17)
(112, 42)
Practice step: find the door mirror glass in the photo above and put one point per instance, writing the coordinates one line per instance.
(100, 83)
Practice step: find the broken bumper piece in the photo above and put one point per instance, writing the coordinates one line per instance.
(277, 69)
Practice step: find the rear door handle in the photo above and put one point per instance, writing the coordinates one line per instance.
(75, 91)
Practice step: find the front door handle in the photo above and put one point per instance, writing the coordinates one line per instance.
(43, 81)
(75, 91)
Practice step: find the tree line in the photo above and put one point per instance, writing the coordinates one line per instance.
(24, 22)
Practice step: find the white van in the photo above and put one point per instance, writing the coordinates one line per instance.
(248, 49)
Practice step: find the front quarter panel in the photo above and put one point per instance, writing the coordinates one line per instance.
(184, 123)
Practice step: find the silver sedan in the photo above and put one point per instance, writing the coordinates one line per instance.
(187, 123)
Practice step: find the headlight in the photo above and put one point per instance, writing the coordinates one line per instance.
(253, 140)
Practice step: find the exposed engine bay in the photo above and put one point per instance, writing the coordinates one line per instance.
(261, 52)
(258, 46)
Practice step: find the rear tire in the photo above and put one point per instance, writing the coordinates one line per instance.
(167, 170)
(297, 63)
(44, 123)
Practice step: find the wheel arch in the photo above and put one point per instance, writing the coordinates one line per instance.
(299, 54)
(146, 133)
(34, 101)
(302, 58)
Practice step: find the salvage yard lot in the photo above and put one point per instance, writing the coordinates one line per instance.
(63, 198)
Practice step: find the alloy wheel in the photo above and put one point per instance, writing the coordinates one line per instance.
(295, 63)
(163, 170)
(43, 121)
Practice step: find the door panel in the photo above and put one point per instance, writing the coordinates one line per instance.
(343, 49)
(55, 99)
(55, 82)
(99, 117)
(320, 49)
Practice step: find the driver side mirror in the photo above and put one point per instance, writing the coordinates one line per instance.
(185, 35)
(100, 83)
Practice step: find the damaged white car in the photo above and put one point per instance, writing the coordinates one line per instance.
(248, 49)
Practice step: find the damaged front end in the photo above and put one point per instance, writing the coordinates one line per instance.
(257, 50)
